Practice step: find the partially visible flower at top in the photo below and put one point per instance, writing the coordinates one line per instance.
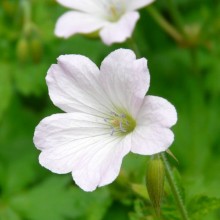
(113, 19)
(108, 115)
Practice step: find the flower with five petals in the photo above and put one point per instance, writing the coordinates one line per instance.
(114, 20)
(107, 116)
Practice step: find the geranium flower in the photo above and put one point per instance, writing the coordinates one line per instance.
(108, 115)
(113, 19)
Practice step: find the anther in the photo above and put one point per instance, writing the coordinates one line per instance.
(112, 132)
(123, 116)
(106, 119)
(113, 113)
(121, 127)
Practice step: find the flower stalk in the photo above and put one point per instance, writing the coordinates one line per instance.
(26, 8)
(164, 24)
(174, 188)
(176, 17)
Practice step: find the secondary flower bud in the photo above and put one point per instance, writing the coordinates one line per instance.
(9, 7)
(155, 182)
(36, 49)
(22, 50)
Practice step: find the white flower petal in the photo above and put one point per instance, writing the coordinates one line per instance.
(81, 144)
(55, 130)
(157, 110)
(73, 22)
(121, 30)
(125, 79)
(81, 5)
(152, 134)
(103, 166)
(152, 139)
(73, 85)
(136, 4)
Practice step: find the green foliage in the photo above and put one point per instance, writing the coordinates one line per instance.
(141, 190)
(186, 74)
(202, 205)
(62, 201)
(29, 81)
(5, 88)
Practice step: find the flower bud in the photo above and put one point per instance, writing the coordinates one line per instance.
(22, 50)
(9, 7)
(155, 182)
(36, 49)
(193, 32)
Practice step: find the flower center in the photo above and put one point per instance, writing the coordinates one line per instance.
(115, 9)
(120, 124)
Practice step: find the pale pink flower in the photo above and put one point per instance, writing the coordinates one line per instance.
(113, 19)
(108, 115)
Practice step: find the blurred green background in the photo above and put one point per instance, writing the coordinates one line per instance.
(187, 73)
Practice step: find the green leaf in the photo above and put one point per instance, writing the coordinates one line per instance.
(142, 211)
(172, 155)
(30, 79)
(5, 88)
(201, 205)
(140, 190)
(57, 199)
(6, 213)
(213, 78)
(24, 167)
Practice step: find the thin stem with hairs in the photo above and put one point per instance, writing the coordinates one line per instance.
(174, 188)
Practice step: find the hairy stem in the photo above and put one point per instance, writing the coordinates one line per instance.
(174, 188)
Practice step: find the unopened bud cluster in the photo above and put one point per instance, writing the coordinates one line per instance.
(29, 48)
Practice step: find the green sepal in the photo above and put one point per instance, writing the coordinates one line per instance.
(155, 182)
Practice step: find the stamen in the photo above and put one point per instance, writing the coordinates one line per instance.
(120, 123)
(123, 115)
(121, 127)
(113, 113)
(112, 132)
